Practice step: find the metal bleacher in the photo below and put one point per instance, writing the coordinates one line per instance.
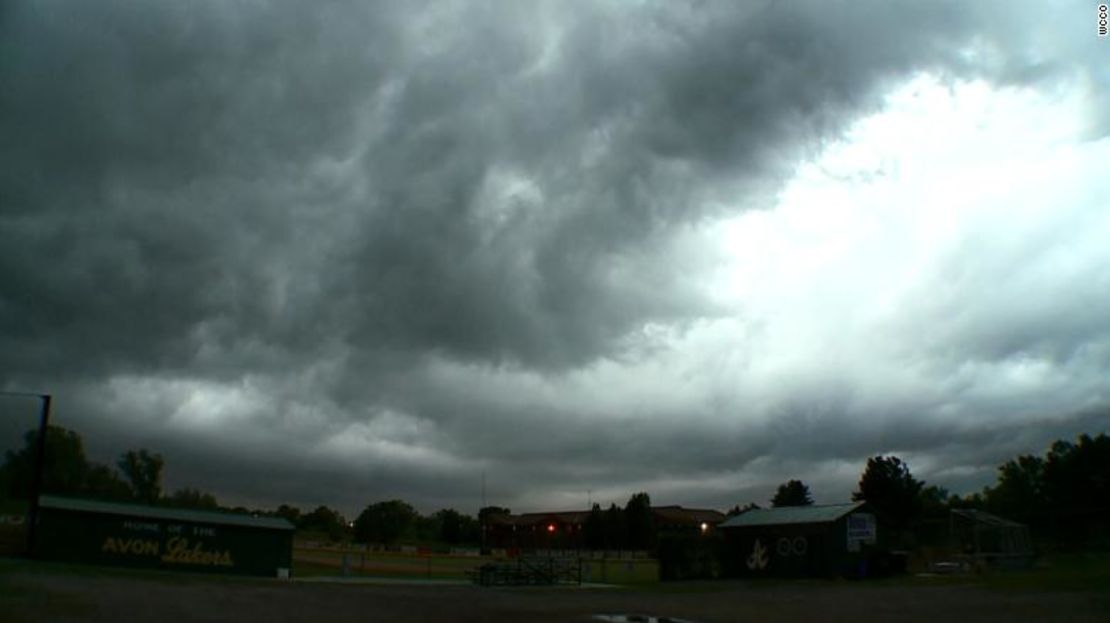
(529, 571)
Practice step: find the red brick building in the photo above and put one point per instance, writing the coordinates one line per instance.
(566, 529)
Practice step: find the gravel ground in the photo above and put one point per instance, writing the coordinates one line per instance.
(44, 594)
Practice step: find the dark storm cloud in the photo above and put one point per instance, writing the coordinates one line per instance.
(174, 125)
(620, 133)
(291, 217)
(150, 172)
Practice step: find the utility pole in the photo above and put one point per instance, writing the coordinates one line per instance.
(40, 463)
(482, 518)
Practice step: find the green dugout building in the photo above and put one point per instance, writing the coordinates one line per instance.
(87, 531)
(799, 541)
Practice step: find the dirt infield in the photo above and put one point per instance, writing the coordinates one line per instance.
(36, 592)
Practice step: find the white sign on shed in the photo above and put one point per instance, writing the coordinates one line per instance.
(861, 530)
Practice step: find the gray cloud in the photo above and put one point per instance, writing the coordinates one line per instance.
(376, 250)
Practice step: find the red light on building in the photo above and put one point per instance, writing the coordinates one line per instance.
(551, 527)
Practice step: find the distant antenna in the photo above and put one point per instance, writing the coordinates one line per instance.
(481, 519)
(589, 499)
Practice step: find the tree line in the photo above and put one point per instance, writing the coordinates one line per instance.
(1064, 496)
(137, 476)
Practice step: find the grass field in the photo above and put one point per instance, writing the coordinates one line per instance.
(1062, 572)
(310, 561)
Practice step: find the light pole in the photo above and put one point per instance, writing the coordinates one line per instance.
(40, 461)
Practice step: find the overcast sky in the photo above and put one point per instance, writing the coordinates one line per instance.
(340, 252)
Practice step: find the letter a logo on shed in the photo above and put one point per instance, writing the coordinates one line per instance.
(759, 559)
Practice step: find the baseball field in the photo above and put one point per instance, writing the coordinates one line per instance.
(1075, 590)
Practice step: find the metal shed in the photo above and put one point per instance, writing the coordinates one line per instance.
(989, 539)
(88, 531)
(818, 540)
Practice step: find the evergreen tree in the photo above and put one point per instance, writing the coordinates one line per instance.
(615, 531)
(639, 522)
(594, 529)
(792, 493)
(888, 484)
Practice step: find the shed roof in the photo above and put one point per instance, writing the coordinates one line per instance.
(156, 512)
(783, 515)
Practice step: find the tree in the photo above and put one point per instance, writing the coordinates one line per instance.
(1020, 489)
(484, 514)
(467, 528)
(324, 520)
(593, 531)
(973, 501)
(290, 513)
(616, 535)
(792, 493)
(639, 522)
(933, 527)
(450, 525)
(1076, 486)
(935, 502)
(384, 522)
(740, 510)
(422, 529)
(66, 469)
(1078, 475)
(193, 498)
(488, 511)
(143, 471)
(469, 532)
(102, 482)
(888, 485)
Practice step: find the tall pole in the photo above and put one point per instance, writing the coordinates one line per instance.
(36, 478)
(40, 464)
(482, 518)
